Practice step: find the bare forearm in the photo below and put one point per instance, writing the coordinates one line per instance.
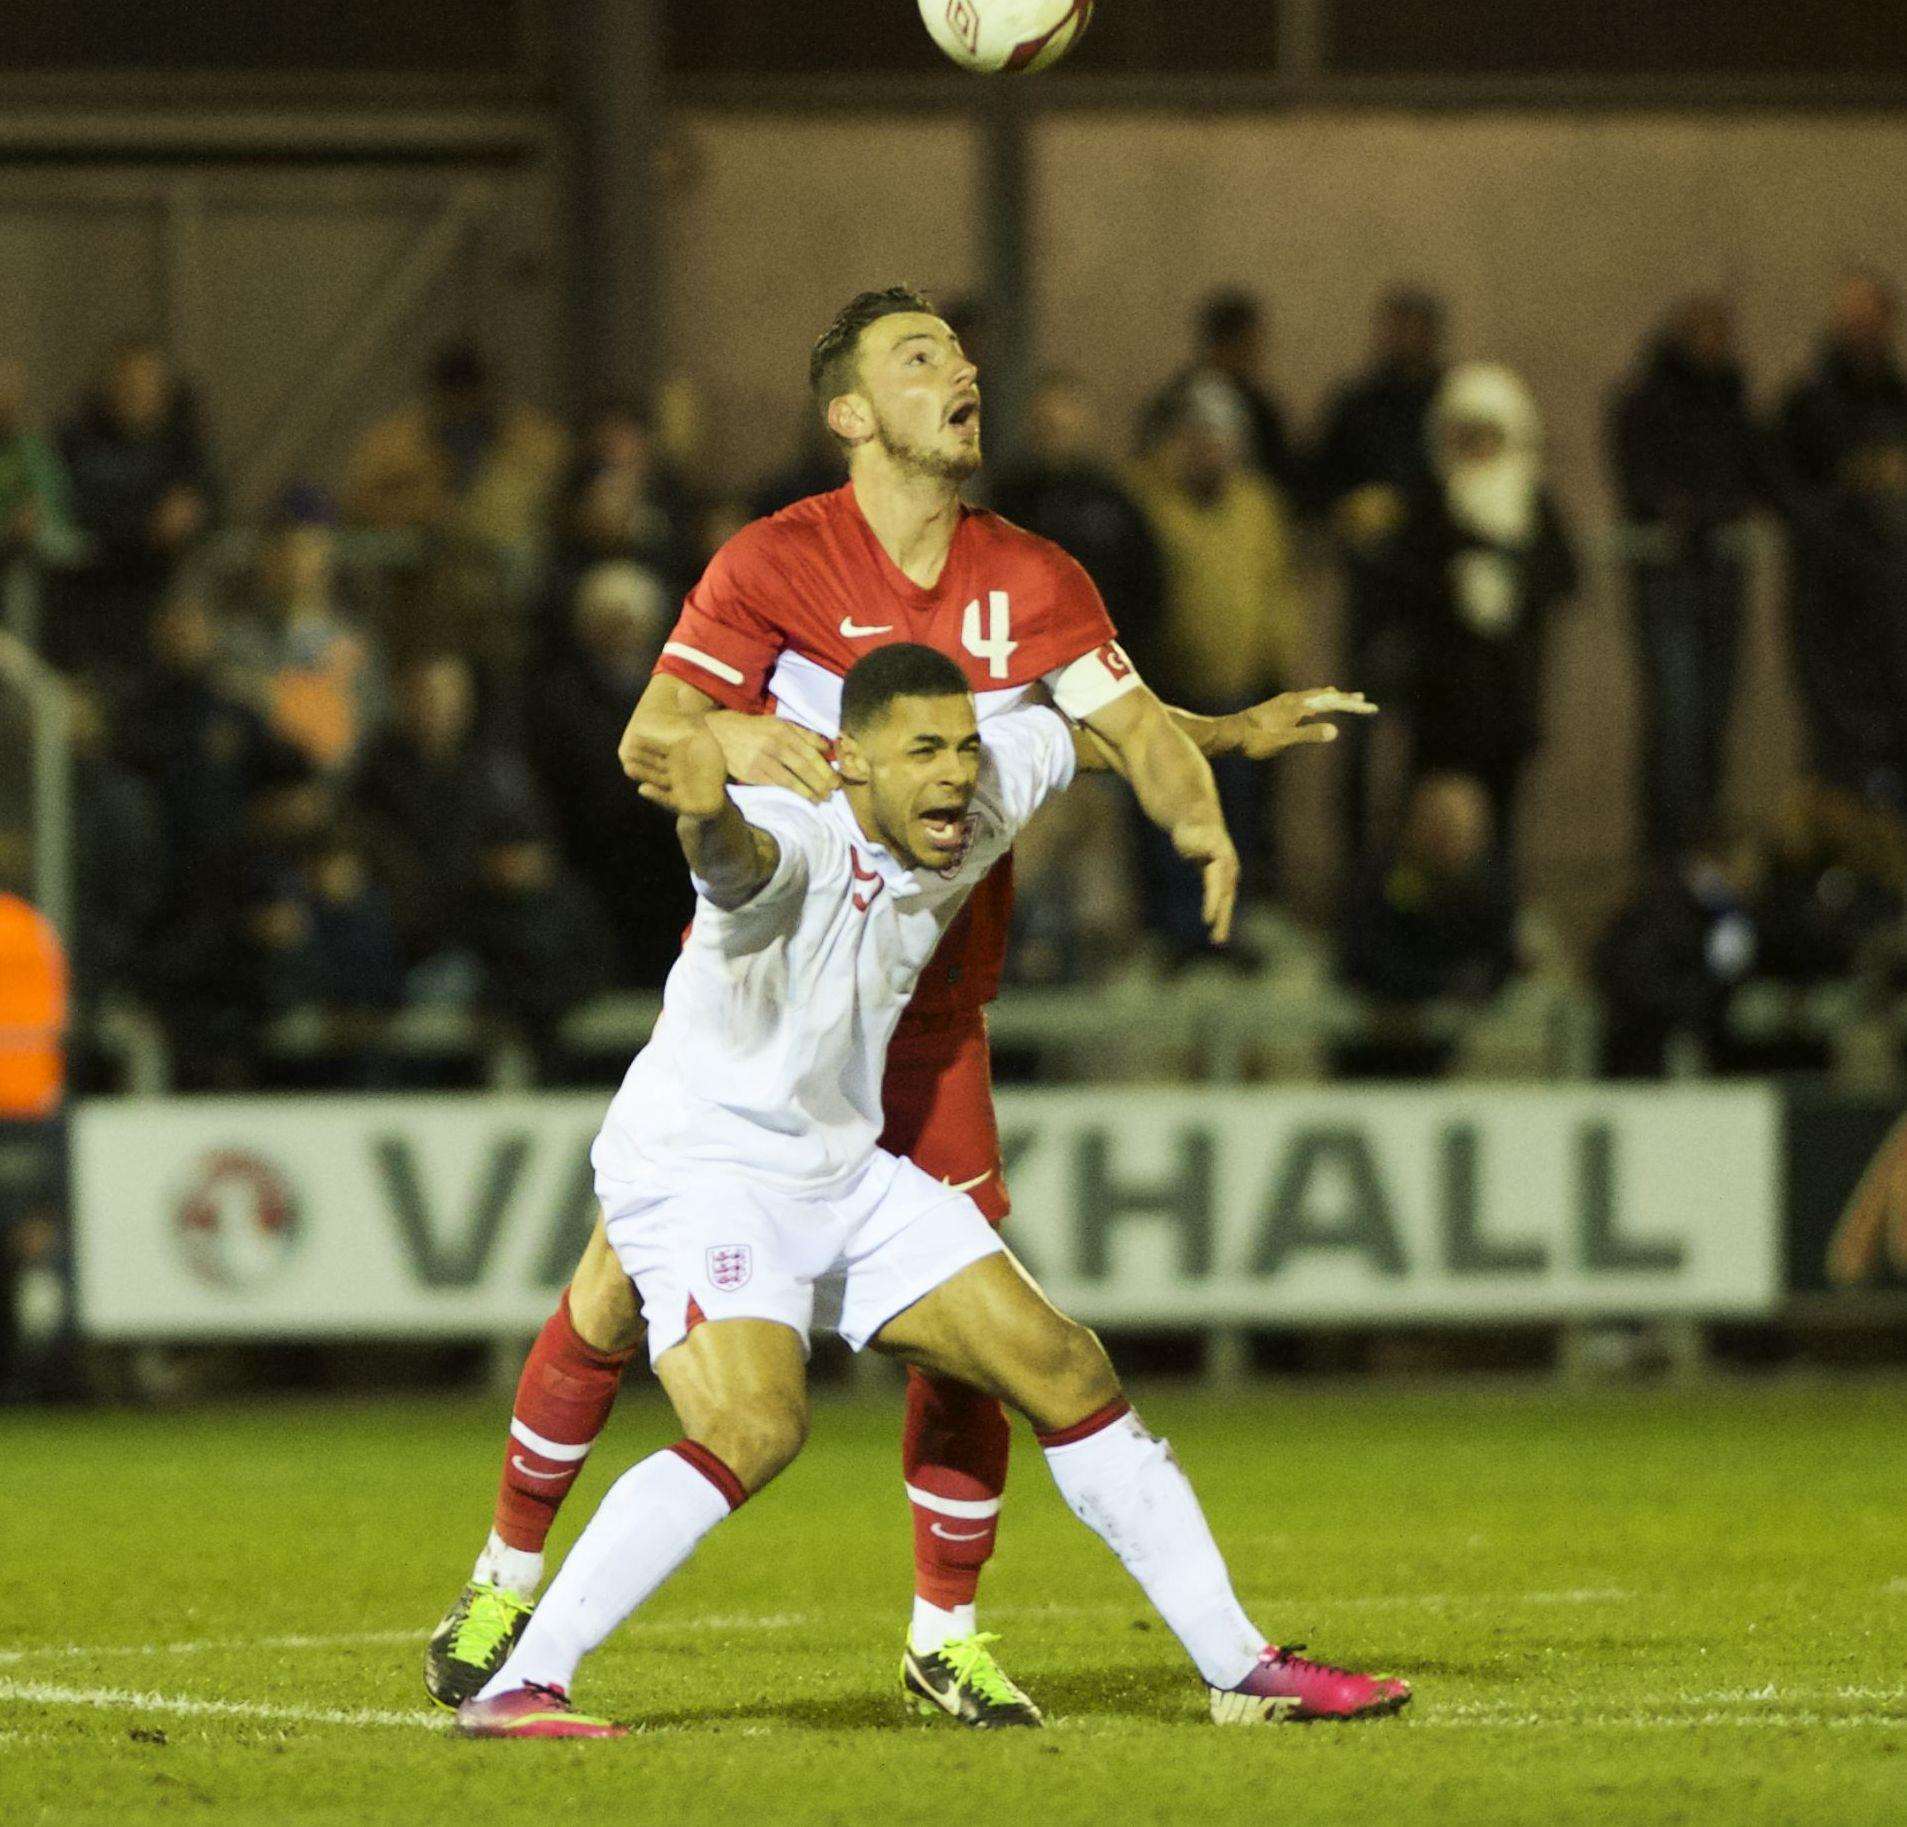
(1174, 786)
(665, 701)
(1170, 777)
(732, 857)
(1211, 736)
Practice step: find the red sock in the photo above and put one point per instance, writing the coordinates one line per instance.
(562, 1400)
(953, 1454)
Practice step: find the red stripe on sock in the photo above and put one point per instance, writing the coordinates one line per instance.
(1099, 1420)
(694, 1453)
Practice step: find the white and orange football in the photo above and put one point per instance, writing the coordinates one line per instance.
(1014, 35)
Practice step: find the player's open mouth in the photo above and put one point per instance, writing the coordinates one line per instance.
(965, 412)
(946, 828)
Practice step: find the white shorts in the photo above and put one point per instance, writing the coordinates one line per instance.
(705, 1244)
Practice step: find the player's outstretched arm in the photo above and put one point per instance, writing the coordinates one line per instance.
(1290, 720)
(1174, 786)
(679, 767)
(760, 751)
(1269, 728)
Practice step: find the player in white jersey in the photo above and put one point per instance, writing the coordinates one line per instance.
(747, 1198)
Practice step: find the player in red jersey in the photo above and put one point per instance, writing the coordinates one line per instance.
(784, 611)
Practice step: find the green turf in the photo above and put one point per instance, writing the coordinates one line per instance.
(1618, 1607)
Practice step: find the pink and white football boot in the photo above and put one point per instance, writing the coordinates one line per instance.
(1288, 1686)
(532, 1711)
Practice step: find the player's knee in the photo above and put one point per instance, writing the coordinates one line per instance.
(757, 1438)
(602, 1302)
(1086, 1374)
(1066, 1370)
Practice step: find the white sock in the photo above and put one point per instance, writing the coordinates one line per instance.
(932, 1627)
(1127, 1488)
(643, 1530)
(516, 1570)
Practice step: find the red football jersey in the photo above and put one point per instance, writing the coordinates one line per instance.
(790, 603)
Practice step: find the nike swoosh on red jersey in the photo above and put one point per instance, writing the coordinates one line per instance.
(958, 1535)
(967, 1186)
(856, 632)
(569, 1471)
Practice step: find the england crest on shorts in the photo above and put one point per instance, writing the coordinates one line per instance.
(730, 1266)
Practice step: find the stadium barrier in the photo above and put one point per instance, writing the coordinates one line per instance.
(459, 1217)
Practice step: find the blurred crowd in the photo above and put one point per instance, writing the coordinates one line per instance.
(360, 759)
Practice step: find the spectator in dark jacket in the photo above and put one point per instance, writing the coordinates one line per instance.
(312, 933)
(539, 935)
(1689, 469)
(36, 500)
(1669, 961)
(1431, 920)
(1230, 353)
(429, 788)
(576, 709)
(1831, 879)
(1064, 490)
(814, 467)
(1372, 456)
(351, 964)
(1480, 562)
(1435, 918)
(1842, 443)
(142, 493)
(120, 872)
(621, 500)
(205, 752)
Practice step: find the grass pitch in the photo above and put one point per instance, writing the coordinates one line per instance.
(1618, 1607)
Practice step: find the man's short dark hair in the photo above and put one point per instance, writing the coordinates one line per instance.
(1226, 316)
(903, 670)
(832, 362)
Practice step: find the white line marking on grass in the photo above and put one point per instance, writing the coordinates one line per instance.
(209, 1645)
(788, 1620)
(44, 1693)
(1480, 1716)
(1585, 1595)
(1724, 1706)
(1709, 1721)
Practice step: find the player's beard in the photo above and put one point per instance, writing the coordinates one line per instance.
(917, 459)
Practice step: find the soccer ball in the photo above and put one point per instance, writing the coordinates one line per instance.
(1017, 35)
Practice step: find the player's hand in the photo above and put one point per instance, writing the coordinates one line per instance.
(772, 752)
(1283, 722)
(678, 766)
(1206, 842)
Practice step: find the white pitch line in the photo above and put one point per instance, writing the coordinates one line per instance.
(1622, 1722)
(209, 1645)
(796, 1620)
(44, 1693)
(786, 1620)
(1753, 1702)
(1484, 1716)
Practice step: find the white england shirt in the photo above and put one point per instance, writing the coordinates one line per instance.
(772, 1044)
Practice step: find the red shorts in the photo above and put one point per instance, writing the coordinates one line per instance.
(938, 1101)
